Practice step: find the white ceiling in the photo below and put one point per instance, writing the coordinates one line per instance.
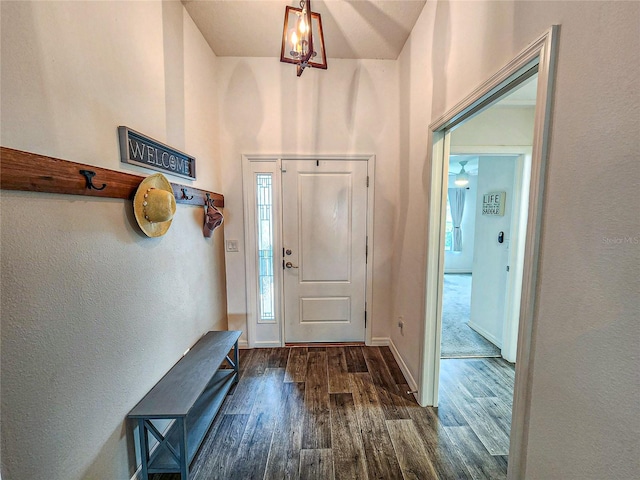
(352, 28)
(524, 95)
(471, 167)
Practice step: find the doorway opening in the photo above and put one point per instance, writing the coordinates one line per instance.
(538, 59)
(483, 248)
(487, 202)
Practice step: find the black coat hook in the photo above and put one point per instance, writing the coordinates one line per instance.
(209, 201)
(184, 194)
(88, 175)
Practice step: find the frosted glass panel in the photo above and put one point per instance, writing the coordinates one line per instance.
(264, 196)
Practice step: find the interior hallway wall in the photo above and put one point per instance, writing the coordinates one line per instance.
(350, 108)
(93, 312)
(490, 259)
(498, 126)
(583, 421)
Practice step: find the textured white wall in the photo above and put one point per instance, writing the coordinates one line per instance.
(409, 246)
(94, 312)
(584, 421)
(351, 108)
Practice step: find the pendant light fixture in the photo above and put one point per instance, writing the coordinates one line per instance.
(462, 179)
(302, 38)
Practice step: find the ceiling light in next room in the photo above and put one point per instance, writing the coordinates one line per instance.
(302, 38)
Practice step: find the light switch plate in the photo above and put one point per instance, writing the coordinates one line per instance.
(232, 245)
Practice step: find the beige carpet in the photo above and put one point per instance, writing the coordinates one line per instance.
(458, 339)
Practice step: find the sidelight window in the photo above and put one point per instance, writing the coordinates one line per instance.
(264, 197)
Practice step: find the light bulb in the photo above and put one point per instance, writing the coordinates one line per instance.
(461, 182)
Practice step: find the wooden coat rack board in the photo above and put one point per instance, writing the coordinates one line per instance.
(30, 172)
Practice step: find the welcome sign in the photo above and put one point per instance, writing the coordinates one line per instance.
(138, 149)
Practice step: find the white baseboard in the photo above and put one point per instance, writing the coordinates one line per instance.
(387, 342)
(380, 341)
(413, 385)
(485, 334)
(243, 344)
(457, 270)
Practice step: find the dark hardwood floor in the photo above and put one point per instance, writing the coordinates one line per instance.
(344, 413)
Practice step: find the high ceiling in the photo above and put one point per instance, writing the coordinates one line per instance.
(352, 28)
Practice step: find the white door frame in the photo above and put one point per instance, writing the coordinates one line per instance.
(517, 245)
(542, 52)
(259, 334)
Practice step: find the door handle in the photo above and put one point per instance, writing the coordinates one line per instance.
(290, 265)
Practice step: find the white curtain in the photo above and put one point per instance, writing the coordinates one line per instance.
(456, 204)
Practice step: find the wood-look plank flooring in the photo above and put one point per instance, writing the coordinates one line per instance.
(333, 413)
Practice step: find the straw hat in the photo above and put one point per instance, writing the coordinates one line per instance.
(154, 205)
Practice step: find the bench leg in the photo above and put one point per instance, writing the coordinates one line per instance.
(144, 448)
(184, 454)
(236, 361)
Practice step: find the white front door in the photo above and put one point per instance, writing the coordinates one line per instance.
(324, 223)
